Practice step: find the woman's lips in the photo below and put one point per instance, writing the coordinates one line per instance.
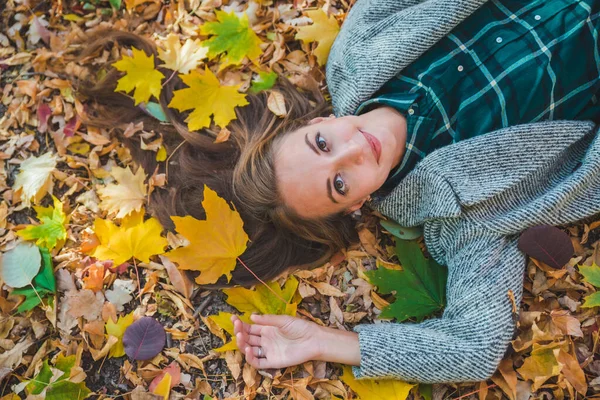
(374, 143)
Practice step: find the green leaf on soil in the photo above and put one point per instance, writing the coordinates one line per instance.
(419, 288)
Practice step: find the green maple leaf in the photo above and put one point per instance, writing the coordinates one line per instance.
(52, 227)
(592, 276)
(231, 35)
(419, 288)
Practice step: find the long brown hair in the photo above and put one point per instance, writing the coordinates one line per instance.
(240, 169)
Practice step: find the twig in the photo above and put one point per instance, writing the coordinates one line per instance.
(476, 391)
(261, 281)
(203, 305)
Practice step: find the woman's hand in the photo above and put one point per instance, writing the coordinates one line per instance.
(279, 341)
(276, 341)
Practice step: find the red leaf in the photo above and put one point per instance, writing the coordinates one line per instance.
(174, 370)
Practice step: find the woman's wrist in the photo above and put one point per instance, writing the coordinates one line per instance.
(334, 345)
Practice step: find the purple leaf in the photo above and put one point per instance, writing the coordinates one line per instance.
(43, 113)
(547, 244)
(144, 339)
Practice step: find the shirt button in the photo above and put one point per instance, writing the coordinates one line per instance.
(411, 111)
(537, 17)
(460, 68)
(498, 39)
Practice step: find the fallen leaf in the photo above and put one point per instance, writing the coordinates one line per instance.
(144, 339)
(548, 244)
(140, 75)
(118, 330)
(174, 370)
(135, 238)
(420, 287)
(182, 58)
(35, 177)
(215, 243)
(20, 265)
(323, 30)
(231, 35)
(369, 389)
(120, 294)
(84, 303)
(206, 96)
(276, 103)
(127, 195)
(51, 230)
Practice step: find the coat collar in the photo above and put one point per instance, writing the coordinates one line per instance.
(419, 197)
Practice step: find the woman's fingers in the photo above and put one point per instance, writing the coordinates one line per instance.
(256, 362)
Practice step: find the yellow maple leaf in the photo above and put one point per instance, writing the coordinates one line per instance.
(134, 238)
(182, 58)
(323, 30)
(263, 300)
(380, 389)
(127, 195)
(140, 75)
(215, 243)
(207, 97)
(118, 330)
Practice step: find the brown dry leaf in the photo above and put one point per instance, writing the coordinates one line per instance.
(506, 378)
(84, 303)
(568, 324)
(571, 369)
(327, 289)
(276, 103)
(178, 278)
(12, 358)
(234, 363)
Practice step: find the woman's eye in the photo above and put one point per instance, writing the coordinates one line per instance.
(321, 143)
(339, 185)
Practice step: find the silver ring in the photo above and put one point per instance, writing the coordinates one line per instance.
(260, 352)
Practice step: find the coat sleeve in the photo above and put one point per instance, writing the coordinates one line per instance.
(469, 340)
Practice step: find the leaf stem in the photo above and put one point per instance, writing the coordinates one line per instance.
(169, 79)
(137, 275)
(38, 295)
(261, 281)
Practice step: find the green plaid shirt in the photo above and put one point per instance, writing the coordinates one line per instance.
(511, 62)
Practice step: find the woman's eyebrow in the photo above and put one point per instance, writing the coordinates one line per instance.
(312, 147)
(329, 191)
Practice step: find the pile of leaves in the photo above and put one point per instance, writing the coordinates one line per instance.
(94, 295)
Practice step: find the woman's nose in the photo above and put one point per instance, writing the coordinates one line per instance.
(352, 153)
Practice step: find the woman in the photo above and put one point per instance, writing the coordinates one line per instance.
(417, 84)
(509, 63)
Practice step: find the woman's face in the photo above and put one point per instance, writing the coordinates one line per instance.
(333, 164)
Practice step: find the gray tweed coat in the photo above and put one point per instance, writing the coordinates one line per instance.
(473, 199)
